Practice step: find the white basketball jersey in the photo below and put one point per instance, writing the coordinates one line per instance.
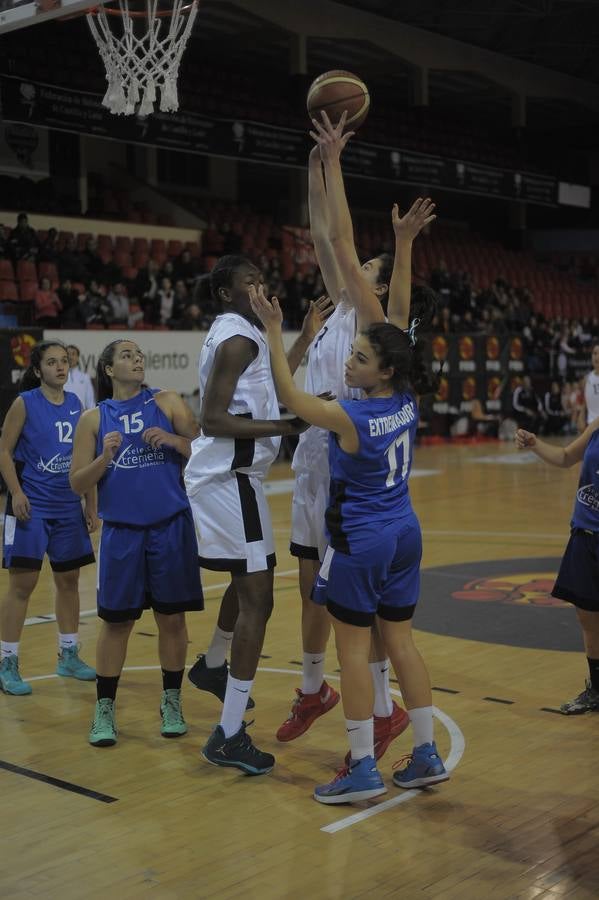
(591, 397)
(325, 372)
(254, 398)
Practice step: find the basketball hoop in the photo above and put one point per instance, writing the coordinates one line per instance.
(139, 65)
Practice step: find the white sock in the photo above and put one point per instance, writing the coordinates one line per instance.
(383, 705)
(67, 640)
(361, 738)
(312, 672)
(422, 724)
(236, 698)
(219, 648)
(8, 649)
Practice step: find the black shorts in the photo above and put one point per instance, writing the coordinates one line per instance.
(578, 577)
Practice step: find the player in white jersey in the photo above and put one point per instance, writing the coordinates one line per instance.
(590, 410)
(325, 370)
(241, 433)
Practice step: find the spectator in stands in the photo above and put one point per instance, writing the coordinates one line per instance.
(23, 241)
(441, 281)
(296, 300)
(92, 308)
(527, 406)
(119, 304)
(49, 251)
(4, 248)
(91, 261)
(186, 268)
(165, 303)
(146, 288)
(47, 305)
(556, 417)
(564, 350)
(68, 297)
(167, 271)
(69, 263)
(79, 382)
(191, 319)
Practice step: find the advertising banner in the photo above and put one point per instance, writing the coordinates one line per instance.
(24, 101)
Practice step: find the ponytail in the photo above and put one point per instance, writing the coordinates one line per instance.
(104, 381)
(394, 349)
(29, 378)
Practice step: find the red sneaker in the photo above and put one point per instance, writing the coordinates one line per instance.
(386, 729)
(305, 710)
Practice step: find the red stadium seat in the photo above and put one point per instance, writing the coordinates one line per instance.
(8, 291)
(7, 272)
(26, 270)
(27, 290)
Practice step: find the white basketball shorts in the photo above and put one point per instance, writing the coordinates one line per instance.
(310, 500)
(233, 524)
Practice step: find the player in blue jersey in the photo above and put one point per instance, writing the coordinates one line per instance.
(43, 515)
(578, 577)
(381, 284)
(133, 446)
(370, 571)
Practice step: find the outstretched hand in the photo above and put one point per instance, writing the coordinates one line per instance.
(269, 312)
(419, 215)
(524, 439)
(318, 312)
(330, 138)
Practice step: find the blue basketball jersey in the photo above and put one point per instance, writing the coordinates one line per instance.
(141, 486)
(369, 489)
(43, 454)
(586, 505)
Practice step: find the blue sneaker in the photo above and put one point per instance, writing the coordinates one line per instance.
(10, 680)
(361, 781)
(70, 666)
(424, 767)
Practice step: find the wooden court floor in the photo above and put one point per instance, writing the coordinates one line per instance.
(518, 819)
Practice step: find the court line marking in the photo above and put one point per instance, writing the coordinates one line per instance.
(456, 750)
(57, 782)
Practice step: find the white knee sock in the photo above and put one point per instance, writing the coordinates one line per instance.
(219, 648)
(312, 672)
(236, 698)
(383, 705)
(361, 738)
(9, 649)
(422, 724)
(67, 640)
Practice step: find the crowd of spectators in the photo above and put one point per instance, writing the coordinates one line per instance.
(91, 290)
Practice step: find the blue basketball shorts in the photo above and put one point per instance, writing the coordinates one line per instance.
(578, 576)
(65, 541)
(383, 580)
(148, 567)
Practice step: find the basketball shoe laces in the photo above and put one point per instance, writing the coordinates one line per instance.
(245, 741)
(104, 716)
(172, 708)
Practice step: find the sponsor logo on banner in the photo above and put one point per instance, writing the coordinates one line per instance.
(469, 388)
(515, 363)
(492, 363)
(466, 353)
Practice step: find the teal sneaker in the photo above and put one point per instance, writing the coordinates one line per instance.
(173, 723)
(103, 732)
(10, 680)
(70, 666)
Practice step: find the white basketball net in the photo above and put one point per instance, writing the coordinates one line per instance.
(138, 67)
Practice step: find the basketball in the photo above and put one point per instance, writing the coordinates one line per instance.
(335, 92)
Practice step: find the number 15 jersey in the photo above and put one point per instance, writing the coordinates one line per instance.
(141, 486)
(369, 489)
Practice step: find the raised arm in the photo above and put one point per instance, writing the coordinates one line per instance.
(406, 229)
(319, 227)
(318, 312)
(360, 293)
(323, 413)
(232, 358)
(563, 457)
